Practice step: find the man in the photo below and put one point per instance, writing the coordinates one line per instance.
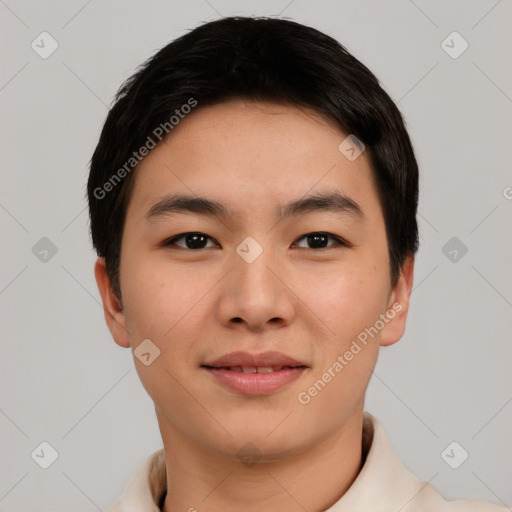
(253, 204)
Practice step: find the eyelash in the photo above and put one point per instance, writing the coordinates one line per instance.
(339, 241)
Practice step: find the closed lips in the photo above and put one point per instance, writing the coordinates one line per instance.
(255, 374)
(253, 369)
(264, 362)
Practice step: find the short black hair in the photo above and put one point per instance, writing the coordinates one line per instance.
(260, 59)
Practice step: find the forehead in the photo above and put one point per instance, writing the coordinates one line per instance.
(252, 154)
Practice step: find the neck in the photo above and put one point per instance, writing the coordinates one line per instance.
(200, 480)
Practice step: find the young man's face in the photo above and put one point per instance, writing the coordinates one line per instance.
(256, 283)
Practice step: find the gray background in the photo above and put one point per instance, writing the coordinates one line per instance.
(63, 379)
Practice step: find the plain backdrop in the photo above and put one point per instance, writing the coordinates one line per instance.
(65, 382)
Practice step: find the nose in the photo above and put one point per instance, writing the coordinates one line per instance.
(256, 296)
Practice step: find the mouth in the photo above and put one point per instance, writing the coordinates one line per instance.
(252, 369)
(255, 374)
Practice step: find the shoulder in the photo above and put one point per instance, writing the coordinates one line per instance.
(386, 477)
(146, 486)
(430, 500)
(116, 506)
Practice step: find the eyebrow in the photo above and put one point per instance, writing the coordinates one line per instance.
(333, 201)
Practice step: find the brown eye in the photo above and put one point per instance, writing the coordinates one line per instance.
(193, 241)
(319, 240)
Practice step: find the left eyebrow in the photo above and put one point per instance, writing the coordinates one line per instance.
(328, 201)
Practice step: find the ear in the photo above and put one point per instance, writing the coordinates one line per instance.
(398, 305)
(114, 313)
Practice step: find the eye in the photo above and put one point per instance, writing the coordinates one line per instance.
(190, 240)
(319, 240)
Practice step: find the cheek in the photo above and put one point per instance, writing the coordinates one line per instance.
(348, 298)
(159, 307)
(348, 304)
(155, 297)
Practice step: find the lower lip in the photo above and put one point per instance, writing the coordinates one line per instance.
(256, 383)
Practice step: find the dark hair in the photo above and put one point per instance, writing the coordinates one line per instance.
(261, 59)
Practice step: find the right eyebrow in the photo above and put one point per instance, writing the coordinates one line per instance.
(186, 204)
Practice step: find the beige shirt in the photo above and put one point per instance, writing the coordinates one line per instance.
(384, 484)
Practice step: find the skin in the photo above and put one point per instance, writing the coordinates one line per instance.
(309, 303)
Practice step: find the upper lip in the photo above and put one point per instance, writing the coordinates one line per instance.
(245, 359)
